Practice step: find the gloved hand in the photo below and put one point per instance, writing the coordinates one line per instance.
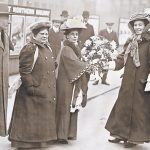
(84, 100)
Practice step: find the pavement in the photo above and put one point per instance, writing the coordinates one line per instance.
(94, 92)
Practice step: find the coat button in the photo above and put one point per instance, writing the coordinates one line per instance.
(54, 98)
(46, 57)
(54, 86)
(52, 57)
(53, 71)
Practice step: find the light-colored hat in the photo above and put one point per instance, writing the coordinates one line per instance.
(72, 24)
(142, 16)
(40, 24)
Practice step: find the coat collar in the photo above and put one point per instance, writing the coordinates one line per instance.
(75, 48)
(34, 41)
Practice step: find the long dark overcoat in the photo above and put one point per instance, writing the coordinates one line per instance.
(130, 116)
(55, 39)
(109, 36)
(33, 118)
(4, 74)
(70, 70)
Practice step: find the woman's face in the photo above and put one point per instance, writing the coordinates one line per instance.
(139, 27)
(73, 36)
(42, 36)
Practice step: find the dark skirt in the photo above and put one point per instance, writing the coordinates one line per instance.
(20, 144)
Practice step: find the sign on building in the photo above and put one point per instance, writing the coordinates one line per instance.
(20, 18)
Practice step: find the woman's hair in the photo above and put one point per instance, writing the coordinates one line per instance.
(36, 31)
(66, 32)
(143, 20)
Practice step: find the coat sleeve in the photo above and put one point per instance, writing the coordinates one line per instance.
(73, 66)
(26, 60)
(119, 62)
(120, 58)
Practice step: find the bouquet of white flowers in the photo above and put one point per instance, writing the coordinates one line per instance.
(97, 51)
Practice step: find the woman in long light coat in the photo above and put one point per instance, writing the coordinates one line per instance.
(129, 120)
(33, 122)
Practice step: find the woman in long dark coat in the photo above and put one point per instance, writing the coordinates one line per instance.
(71, 70)
(33, 120)
(129, 120)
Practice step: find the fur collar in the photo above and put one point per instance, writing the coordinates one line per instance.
(75, 48)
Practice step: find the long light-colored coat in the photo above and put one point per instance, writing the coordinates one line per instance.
(33, 118)
(130, 116)
(4, 74)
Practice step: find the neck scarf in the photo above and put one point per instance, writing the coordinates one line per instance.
(132, 48)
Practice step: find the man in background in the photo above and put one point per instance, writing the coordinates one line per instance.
(55, 37)
(85, 34)
(111, 36)
(64, 15)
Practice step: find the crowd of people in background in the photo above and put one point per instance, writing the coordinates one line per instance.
(53, 74)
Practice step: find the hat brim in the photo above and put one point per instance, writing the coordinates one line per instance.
(64, 15)
(72, 24)
(57, 21)
(78, 28)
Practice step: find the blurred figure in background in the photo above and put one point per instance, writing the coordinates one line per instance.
(55, 37)
(111, 36)
(86, 33)
(64, 15)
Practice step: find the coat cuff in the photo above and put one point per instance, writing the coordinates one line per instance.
(79, 74)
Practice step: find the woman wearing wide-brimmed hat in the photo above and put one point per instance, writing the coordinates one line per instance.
(33, 123)
(129, 120)
(71, 70)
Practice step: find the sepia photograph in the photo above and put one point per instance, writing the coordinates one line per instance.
(74, 74)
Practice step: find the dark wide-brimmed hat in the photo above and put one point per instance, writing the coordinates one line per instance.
(144, 17)
(85, 14)
(40, 24)
(72, 24)
(64, 13)
(110, 23)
